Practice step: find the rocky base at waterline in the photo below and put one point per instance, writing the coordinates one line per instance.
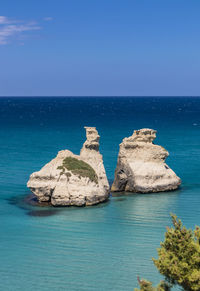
(32, 200)
(73, 179)
(141, 166)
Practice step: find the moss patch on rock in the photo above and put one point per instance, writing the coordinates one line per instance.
(80, 168)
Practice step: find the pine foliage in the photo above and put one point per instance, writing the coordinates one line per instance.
(179, 256)
(147, 286)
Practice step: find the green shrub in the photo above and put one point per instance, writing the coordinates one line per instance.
(179, 256)
(178, 259)
(79, 168)
(147, 286)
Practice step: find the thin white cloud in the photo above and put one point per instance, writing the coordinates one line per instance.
(48, 18)
(13, 28)
(4, 20)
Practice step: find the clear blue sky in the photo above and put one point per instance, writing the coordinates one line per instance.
(99, 47)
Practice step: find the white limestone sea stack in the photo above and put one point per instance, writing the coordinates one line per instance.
(73, 179)
(141, 166)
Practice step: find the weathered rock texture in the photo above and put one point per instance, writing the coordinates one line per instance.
(141, 165)
(87, 185)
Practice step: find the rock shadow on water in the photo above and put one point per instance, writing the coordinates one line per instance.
(32, 207)
(120, 196)
(42, 213)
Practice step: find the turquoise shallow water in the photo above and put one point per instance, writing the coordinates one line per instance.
(103, 247)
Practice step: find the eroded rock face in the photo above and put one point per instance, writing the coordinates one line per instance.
(67, 180)
(141, 165)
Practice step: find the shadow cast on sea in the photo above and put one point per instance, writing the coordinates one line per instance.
(31, 206)
(119, 196)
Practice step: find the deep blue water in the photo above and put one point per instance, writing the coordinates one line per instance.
(103, 247)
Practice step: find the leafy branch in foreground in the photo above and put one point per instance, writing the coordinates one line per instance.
(147, 286)
(178, 258)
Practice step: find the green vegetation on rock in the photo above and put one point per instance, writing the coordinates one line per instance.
(178, 258)
(78, 167)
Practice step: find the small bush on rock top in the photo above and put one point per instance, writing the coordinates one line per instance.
(79, 168)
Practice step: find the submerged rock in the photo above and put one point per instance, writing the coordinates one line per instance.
(73, 179)
(141, 165)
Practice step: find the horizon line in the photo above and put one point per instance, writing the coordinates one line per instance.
(99, 96)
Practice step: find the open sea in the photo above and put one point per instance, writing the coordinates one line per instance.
(102, 247)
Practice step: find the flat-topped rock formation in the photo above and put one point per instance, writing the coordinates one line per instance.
(141, 165)
(73, 179)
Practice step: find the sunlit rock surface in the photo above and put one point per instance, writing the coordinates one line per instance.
(85, 185)
(141, 165)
